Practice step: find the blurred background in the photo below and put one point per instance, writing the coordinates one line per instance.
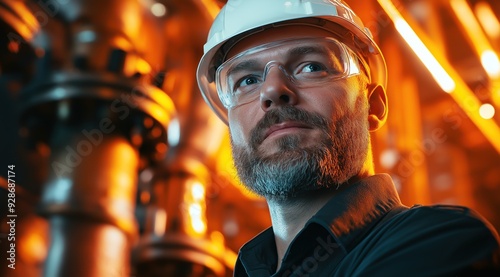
(121, 169)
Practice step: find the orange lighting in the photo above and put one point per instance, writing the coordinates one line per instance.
(19, 16)
(198, 192)
(466, 16)
(477, 38)
(423, 53)
(491, 64)
(34, 246)
(437, 63)
(211, 7)
(160, 221)
(158, 9)
(487, 111)
(488, 20)
(195, 213)
(143, 67)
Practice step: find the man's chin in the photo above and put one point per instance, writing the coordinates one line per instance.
(280, 145)
(282, 174)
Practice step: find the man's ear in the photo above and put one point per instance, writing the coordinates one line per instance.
(377, 101)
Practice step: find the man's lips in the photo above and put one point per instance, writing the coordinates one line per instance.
(284, 125)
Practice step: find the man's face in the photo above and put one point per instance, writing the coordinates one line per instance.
(295, 139)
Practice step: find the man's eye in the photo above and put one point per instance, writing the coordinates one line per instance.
(247, 81)
(312, 67)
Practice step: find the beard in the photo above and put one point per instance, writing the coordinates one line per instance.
(339, 154)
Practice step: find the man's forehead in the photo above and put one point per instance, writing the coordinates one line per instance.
(276, 34)
(283, 49)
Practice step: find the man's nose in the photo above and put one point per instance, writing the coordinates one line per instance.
(277, 89)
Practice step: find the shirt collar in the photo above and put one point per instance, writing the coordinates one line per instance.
(354, 210)
(348, 216)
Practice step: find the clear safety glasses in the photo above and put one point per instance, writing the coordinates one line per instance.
(307, 63)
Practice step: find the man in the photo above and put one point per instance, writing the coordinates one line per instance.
(301, 84)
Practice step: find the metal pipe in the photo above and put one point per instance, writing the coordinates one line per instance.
(90, 209)
(92, 104)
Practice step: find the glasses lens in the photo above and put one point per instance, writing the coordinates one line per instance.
(305, 62)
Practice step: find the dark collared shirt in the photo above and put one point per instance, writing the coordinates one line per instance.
(364, 230)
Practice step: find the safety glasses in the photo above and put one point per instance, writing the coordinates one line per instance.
(306, 63)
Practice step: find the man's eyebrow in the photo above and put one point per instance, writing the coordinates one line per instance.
(244, 65)
(306, 49)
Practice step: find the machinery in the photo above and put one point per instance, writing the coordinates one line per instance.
(109, 171)
(113, 165)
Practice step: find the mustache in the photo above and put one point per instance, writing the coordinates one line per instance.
(282, 114)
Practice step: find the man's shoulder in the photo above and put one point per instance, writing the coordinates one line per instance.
(447, 210)
(447, 221)
(432, 241)
(441, 216)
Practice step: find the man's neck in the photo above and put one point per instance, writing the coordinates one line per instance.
(289, 217)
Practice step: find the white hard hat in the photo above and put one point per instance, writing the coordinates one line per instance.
(241, 18)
